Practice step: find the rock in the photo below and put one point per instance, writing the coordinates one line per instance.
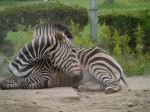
(130, 104)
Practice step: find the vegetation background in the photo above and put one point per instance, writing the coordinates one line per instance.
(135, 59)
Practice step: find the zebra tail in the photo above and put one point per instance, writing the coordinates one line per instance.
(123, 78)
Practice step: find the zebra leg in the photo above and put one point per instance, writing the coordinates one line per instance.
(91, 86)
(36, 85)
(110, 85)
(113, 87)
(37, 82)
(11, 82)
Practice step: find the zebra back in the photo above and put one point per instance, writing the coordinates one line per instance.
(52, 28)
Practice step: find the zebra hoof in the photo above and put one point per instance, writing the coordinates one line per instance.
(109, 90)
(82, 88)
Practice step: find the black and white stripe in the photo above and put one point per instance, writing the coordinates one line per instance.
(101, 66)
(101, 72)
(50, 47)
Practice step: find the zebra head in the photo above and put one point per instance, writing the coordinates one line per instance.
(52, 43)
(65, 58)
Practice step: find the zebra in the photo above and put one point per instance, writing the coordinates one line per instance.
(100, 71)
(103, 67)
(33, 66)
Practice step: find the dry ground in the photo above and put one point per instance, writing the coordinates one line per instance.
(50, 100)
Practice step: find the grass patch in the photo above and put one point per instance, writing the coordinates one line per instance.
(118, 4)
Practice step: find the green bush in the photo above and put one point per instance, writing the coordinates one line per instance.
(127, 24)
(7, 48)
(4, 61)
(123, 24)
(104, 39)
(83, 42)
(20, 17)
(134, 62)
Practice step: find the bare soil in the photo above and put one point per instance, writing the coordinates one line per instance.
(39, 100)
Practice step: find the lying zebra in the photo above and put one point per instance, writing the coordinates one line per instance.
(100, 73)
(33, 65)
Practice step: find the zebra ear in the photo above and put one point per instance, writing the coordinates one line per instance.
(60, 37)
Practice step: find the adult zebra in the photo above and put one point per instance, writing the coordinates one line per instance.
(100, 72)
(33, 65)
(100, 65)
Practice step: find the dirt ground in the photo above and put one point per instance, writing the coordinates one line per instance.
(39, 100)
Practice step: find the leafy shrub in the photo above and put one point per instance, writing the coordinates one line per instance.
(123, 24)
(20, 17)
(74, 28)
(7, 48)
(133, 62)
(127, 24)
(4, 61)
(139, 35)
(104, 39)
(83, 42)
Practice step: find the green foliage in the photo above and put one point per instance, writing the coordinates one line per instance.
(127, 24)
(120, 44)
(24, 15)
(104, 38)
(139, 35)
(83, 42)
(122, 23)
(26, 36)
(108, 1)
(74, 28)
(7, 48)
(133, 63)
(4, 61)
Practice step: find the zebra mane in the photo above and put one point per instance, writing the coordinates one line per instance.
(55, 27)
